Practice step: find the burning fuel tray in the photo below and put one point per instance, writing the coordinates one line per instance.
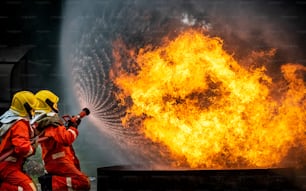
(140, 178)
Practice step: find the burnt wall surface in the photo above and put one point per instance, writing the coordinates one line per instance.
(131, 178)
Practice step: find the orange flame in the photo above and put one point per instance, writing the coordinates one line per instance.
(195, 98)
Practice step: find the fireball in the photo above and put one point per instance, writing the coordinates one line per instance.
(210, 111)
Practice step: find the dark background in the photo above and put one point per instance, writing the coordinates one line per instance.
(34, 25)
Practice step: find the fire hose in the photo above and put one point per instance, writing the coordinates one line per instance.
(38, 139)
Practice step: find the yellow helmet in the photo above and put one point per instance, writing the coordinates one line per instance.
(24, 103)
(47, 101)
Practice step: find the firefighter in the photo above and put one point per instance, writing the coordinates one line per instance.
(16, 133)
(61, 163)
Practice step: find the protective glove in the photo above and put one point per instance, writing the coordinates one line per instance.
(73, 124)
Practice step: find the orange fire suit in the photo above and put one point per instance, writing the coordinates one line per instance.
(60, 159)
(11, 174)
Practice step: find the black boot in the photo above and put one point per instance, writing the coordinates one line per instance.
(45, 182)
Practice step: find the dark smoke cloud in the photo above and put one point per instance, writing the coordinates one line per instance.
(89, 29)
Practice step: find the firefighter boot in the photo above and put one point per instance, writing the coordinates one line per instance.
(45, 182)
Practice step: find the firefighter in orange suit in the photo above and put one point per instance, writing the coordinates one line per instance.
(61, 163)
(16, 132)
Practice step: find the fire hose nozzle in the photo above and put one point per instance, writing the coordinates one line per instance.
(83, 113)
(74, 119)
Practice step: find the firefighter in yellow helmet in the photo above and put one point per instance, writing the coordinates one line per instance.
(61, 163)
(47, 101)
(16, 133)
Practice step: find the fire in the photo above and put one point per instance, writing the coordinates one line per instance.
(206, 108)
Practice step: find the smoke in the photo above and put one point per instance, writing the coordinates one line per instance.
(89, 31)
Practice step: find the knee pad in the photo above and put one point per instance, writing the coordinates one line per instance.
(45, 182)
